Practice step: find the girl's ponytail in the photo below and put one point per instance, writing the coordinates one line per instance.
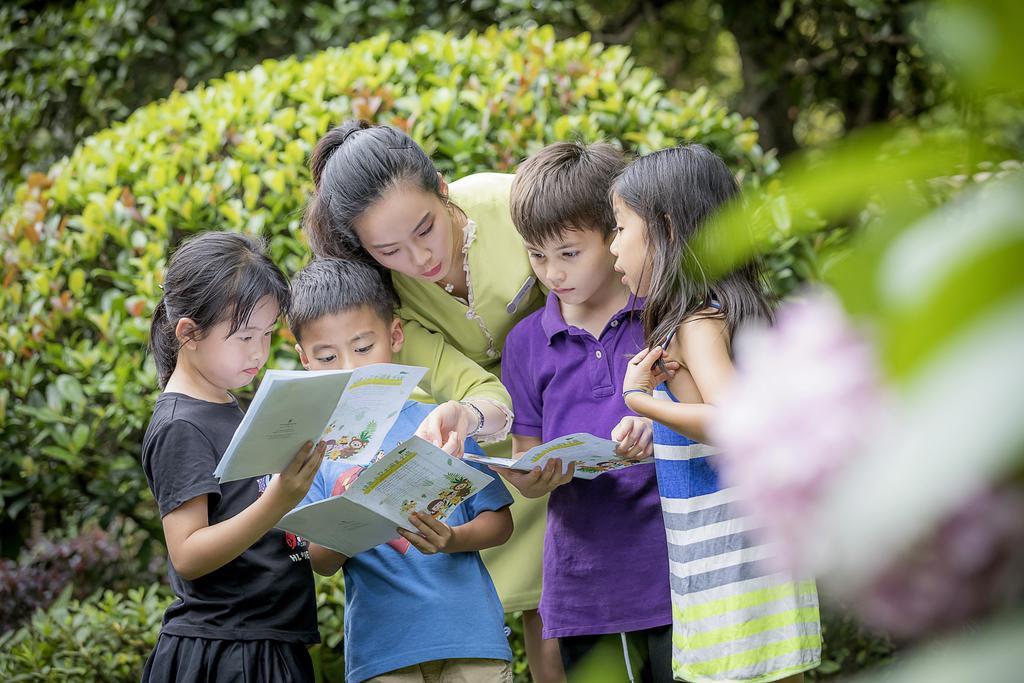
(327, 242)
(329, 144)
(316, 223)
(163, 343)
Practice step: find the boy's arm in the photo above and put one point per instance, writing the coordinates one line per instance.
(326, 562)
(488, 529)
(521, 444)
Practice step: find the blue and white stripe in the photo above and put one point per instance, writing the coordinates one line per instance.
(734, 617)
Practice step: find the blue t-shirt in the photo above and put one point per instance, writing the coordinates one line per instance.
(405, 609)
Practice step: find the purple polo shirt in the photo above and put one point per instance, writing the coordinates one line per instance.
(605, 554)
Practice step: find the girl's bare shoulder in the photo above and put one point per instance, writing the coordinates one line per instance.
(698, 331)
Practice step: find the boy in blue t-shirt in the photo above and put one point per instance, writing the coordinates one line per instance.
(428, 612)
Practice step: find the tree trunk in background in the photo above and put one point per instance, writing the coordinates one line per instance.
(764, 49)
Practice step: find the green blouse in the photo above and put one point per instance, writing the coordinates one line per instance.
(461, 344)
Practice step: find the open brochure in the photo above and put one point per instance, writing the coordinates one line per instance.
(414, 477)
(593, 456)
(351, 410)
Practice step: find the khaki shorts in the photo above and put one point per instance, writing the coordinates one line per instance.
(450, 671)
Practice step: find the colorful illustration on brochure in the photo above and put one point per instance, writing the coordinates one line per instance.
(346, 446)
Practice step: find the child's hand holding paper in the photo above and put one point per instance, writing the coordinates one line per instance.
(434, 535)
(539, 481)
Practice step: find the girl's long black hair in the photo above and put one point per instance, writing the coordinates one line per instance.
(212, 277)
(675, 191)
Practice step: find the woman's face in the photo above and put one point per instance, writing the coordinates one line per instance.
(409, 231)
(630, 248)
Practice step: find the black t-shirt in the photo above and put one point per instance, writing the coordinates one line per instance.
(266, 593)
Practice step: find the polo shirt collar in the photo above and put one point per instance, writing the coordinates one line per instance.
(552, 322)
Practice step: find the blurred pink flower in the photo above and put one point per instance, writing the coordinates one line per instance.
(971, 565)
(806, 398)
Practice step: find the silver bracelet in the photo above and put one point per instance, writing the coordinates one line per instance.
(479, 416)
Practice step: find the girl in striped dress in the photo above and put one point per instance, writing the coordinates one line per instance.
(735, 618)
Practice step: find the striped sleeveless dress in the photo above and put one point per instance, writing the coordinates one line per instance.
(733, 618)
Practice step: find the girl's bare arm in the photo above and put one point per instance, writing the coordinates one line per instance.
(702, 347)
(196, 548)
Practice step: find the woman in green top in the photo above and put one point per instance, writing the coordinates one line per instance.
(464, 280)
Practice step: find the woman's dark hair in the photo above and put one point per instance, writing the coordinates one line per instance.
(212, 277)
(352, 166)
(675, 191)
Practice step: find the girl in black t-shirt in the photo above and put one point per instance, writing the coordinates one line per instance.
(245, 607)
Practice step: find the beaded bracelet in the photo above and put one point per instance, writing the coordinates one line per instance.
(479, 416)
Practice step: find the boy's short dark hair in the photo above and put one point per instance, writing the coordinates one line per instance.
(565, 187)
(330, 285)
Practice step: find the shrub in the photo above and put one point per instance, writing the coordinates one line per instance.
(81, 563)
(70, 69)
(328, 657)
(108, 636)
(84, 246)
(848, 647)
(105, 637)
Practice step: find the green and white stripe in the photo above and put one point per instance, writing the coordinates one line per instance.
(735, 618)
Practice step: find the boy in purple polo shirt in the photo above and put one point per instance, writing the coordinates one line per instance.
(605, 554)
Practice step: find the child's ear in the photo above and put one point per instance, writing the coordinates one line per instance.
(187, 333)
(302, 356)
(397, 335)
(443, 184)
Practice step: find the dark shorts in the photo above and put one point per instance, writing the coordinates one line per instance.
(650, 655)
(178, 659)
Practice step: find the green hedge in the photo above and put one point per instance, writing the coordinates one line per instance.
(109, 635)
(105, 637)
(69, 69)
(82, 249)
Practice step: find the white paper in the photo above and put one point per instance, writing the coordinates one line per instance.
(339, 524)
(289, 408)
(415, 476)
(367, 410)
(351, 409)
(593, 456)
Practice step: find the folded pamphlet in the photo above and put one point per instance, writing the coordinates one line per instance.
(351, 410)
(414, 477)
(593, 456)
